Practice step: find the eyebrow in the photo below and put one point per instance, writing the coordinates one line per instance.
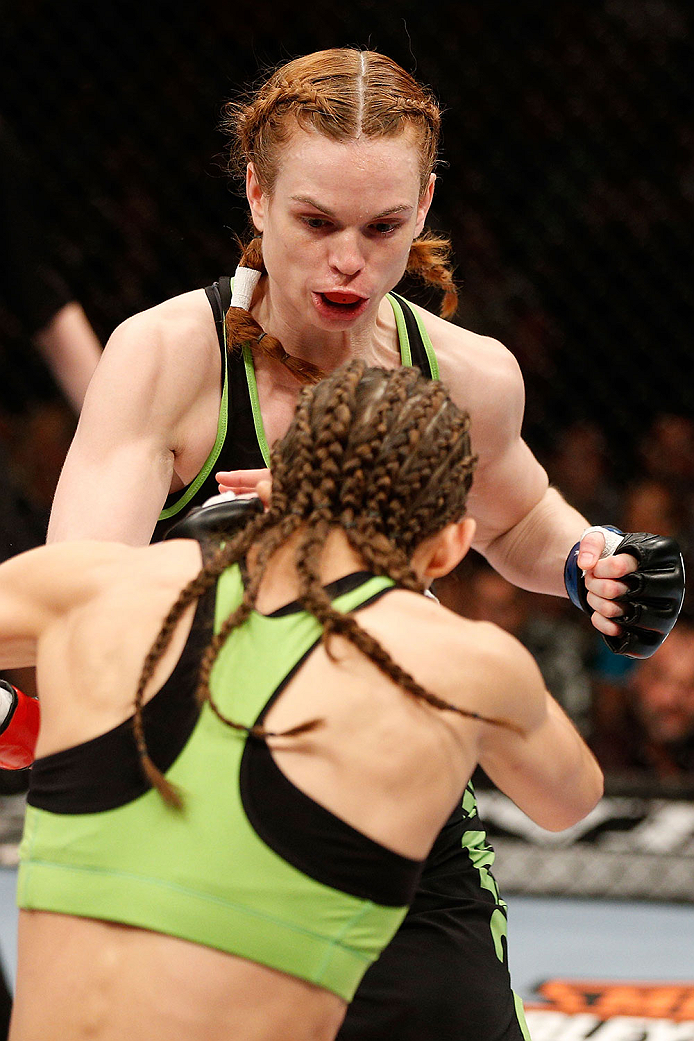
(390, 212)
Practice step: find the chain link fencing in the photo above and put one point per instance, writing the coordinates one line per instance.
(566, 184)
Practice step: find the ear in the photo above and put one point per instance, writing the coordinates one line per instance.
(438, 555)
(256, 197)
(424, 204)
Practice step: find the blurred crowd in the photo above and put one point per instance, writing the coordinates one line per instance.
(637, 715)
(566, 187)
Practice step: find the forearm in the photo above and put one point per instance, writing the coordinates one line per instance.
(577, 776)
(550, 773)
(532, 553)
(72, 350)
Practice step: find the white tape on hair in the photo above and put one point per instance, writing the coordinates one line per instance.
(612, 539)
(245, 281)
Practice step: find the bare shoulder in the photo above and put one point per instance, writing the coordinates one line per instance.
(64, 574)
(177, 332)
(474, 665)
(156, 368)
(482, 376)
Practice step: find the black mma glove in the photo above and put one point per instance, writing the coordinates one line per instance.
(655, 591)
(219, 518)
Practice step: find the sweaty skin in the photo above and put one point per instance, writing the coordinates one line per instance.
(341, 218)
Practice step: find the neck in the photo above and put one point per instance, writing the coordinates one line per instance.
(280, 583)
(373, 339)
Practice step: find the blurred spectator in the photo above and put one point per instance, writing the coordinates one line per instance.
(648, 724)
(30, 287)
(653, 504)
(43, 306)
(580, 468)
(560, 643)
(667, 454)
(667, 450)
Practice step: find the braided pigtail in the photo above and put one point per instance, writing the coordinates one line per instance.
(214, 567)
(241, 327)
(190, 593)
(277, 535)
(371, 465)
(337, 624)
(382, 455)
(429, 259)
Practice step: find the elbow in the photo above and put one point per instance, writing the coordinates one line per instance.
(577, 803)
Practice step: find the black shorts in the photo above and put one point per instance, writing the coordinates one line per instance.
(444, 976)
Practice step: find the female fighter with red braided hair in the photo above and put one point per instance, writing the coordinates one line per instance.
(228, 866)
(338, 150)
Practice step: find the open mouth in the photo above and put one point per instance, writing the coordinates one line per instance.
(342, 303)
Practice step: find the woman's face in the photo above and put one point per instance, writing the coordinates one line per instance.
(338, 226)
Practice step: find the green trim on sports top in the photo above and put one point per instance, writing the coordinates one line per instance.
(255, 403)
(204, 874)
(404, 336)
(208, 465)
(222, 423)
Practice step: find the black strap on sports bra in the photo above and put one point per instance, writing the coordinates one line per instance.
(418, 351)
(219, 297)
(240, 450)
(105, 772)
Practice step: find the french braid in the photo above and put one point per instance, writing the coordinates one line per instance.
(342, 93)
(241, 327)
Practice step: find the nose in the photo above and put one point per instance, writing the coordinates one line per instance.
(346, 256)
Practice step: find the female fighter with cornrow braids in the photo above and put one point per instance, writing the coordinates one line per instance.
(338, 151)
(228, 865)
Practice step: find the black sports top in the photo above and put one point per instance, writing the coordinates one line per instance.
(241, 443)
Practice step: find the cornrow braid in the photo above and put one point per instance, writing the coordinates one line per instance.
(384, 455)
(337, 624)
(214, 567)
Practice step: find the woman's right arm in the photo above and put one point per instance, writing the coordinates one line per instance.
(120, 465)
(545, 766)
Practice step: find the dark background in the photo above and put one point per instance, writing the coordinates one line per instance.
(567, 180)
(566, 185)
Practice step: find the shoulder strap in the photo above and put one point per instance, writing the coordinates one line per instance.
(416, 347)
(219, 297)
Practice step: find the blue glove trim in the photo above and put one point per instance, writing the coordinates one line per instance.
(573, 575)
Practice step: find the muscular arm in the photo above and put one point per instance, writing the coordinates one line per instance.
(546, 767)
(39, 585)
(149, 391)
(524, 528)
